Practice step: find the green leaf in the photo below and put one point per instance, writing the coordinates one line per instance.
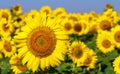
(112, 55)
(91, 44)
(99, 72)
(109, 70)
(5, 66)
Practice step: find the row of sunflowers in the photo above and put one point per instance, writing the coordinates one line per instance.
(48, 41)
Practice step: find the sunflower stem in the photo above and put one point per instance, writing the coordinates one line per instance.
(73, 67)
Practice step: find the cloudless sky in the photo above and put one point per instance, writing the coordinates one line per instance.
(70, 5)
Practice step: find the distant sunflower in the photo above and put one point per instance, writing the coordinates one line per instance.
(42, 42)
(7, 46)
(105, 23)
(93, 27)
(116, 35)
(78, 52)
(59, 11)
(17, 9)
(67, 26)
(33, 13)
(73, 16)
(112, 15)
(22, 22)
(6, 14)
(46, 9)
(90, 60)
(6, 27)
(92, 16)
(15, 64)
(104, 42)
(78, 28)
(86, 26)
(116, 65)
(108, 6)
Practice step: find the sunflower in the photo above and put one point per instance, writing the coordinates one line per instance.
(78, 52)
(6, 14)
(59, 11)
(67, 26)
(111, 14)
(104, 42)
(63, 16)
(42, 42)
(116, 65)
(105, 23)
(116, 35)
(17, 9)
(15, 62)
(108, 6)
(73, 16)
(19, 21)
(93, 27)
(86, 26)
(7, 46)
(89, 17)
(78, 28)
(90, 60)
(46, 9)
(81, 27)
(6, 27)
(33, 13)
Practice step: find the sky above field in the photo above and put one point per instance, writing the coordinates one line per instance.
(70, 5)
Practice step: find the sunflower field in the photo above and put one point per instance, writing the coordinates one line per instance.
(48, 41)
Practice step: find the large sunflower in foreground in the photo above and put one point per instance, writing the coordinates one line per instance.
(116, 65)
(78, 52)
(104, 42)
(42, 42)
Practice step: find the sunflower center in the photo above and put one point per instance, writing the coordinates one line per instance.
(77, 28)
(5, 15)
(5, 27)
(108, 6)
(106, 43)
(16, 8)
(41, 41)
(67, 26)
(22, 68)
(46, 11)
(77, 52)
(105, 25)
(117, 36)
(73, 18)
(59, 13)
(7, 46)
(88, 60)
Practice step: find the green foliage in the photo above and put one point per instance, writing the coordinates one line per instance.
(5, 66)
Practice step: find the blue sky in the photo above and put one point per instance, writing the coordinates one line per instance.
(70, 5)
